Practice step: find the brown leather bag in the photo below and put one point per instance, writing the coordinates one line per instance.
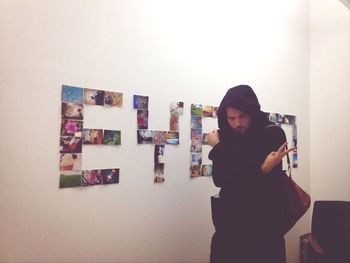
(297, 200)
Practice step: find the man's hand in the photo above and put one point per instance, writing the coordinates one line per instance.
(213, 138)
(274, 158)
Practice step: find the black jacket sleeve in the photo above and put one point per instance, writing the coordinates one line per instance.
(221, 168)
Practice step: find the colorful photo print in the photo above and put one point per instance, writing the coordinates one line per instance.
(159, 173)
(208, 111)
(195, 170)
(272, 116)
(110, 176)
(196, 134)
(111, 137)
(294, 135)
(72, 110)
(70, 179)
(113, 99)
(196, 122)
(205, 139)
(159, 154)
(140, 102)
(142, 119)
(206, 170)
(197, 109)
(159, 169)
(70, 144)
(159, 137)
(196, 158)
(92, 177)
(159, 179)
(174, 121)
(94, 97)
(144, 136)
(71, 127)
(295, 159)
(72, 94)
(70, 162)
(177, 106)
(289, 119)
(279, 118)
(93, 136)
(196, 146)
(215, 112)
(172, 138)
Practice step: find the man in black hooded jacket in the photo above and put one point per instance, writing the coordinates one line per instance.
(246, 154)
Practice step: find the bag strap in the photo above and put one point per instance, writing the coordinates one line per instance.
(288, 159)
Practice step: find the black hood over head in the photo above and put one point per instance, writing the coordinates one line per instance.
(242, 98)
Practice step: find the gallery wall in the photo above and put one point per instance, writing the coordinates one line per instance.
(329, 100)
(190, 51)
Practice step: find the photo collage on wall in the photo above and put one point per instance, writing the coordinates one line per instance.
(158, 138)
(73, 135)
(280, 119)
(199, 138)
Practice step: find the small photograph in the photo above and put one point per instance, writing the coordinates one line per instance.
(159, 169)
(215, 112)
(172, 138)
(289, 119)
(111, 137)
(196, 122)
(196, 134)
(272, 117)
(197, 109)
(206, 170)
(159, 137)
(70, 144)
(295, 160)
(205, 139)
(113, 99)
(71, 127)
(94, 97)
(295, 143)
(208, 111)
(159, 154)
(70, 162)
(140, 102)
(177, 106)
(195, 170)
(93, 136)
(70, 179)
(295, 136)
(196, 158)
(279, 118)
(72, 110)
(159, 179)
(110, 176)
(142, 119)
(174, 121)
(72, 94)
(92, 177)
(196, 146)
(159, 173)
(144, 136)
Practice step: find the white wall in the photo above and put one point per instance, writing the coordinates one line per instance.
(187, 50)
(329, 100)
